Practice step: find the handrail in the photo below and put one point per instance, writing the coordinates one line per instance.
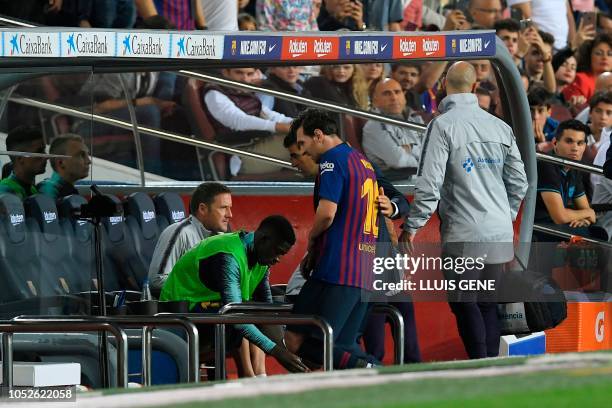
(566, 235)
(569, 163)
(419, 127)
(146, 322)
(203, 318)
(60, 326)
(18, 23)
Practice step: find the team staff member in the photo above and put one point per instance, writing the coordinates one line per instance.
(211, 212)
(342, 242)
(233, 268)
(471, 166)
(21, 180)
(66, 171)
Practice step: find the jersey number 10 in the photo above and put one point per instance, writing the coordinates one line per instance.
(369, 191)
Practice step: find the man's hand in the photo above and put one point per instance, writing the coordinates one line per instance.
(384, 204)
(406, 240)
(592, 218)
(282, 127)
(288, 360)
(580, 223)
(55, 5)
(455, 21)
(307, 265)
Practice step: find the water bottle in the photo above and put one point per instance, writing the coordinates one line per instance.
(146, 291)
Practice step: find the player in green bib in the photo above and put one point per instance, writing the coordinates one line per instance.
(233, 268)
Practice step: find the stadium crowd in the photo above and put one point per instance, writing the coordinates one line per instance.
(562, 49)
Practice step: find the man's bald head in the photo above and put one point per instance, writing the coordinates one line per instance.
(460, 78)
(388, 97)
(604, 82)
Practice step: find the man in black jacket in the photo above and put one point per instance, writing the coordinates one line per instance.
(608, 165)
(284, 79)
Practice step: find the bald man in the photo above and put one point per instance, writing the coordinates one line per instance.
(471, 171)
(389, 146)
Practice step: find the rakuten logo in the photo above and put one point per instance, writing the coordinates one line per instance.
(408, 47)
(148, 216)
(430, 46)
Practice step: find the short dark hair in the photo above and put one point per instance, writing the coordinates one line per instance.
(507, 24)
(58, 145)
(583, 55)
(547, 37)
(21, 136)
(560, 57)
(600, 97)
(572, 124)
(311, 119)
(277, 227)
(246, 18)
(539, 96)
(205, 193)
(412, 64)
(290, 139)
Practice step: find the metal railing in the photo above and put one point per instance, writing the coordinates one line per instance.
(61, 326)
(148, 323)
(570, 163)
(567, 235)
(217, 319)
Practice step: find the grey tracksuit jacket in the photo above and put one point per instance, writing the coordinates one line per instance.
(470, 165)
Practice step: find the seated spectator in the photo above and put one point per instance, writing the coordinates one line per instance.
(246, 22)
(538, 60)
(564, 65)
(239, 118)
(544, 127)
(561, 197)
(600, 117)
(284, 79)
(342, 84)
(296, 15)
(389, 146)
(485, 13)
(372, 72)
(602, 187)
(383, 15)
(484, 98)
(594, 58)
(341, 14)
(603, 83)
(211, 212)
(21, 180)
(183, 14)
(408, 74)
(66, 172)
(509, 32)
(234, 268)
(524, 79)
(483, 70)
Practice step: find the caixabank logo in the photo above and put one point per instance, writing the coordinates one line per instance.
(88, 44)
(252, 47)
(147, 45)
(31, 44)
(430, 46)
(310, 48)
(198, 46)
(366, 47)
(470, 45)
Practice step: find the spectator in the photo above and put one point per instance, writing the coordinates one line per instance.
(607, 167)
(246, 22)
(90, 13)
(284, 79)
(341, 84)
(602, 83)
(602, 187)
(21, 180)
(383, 15)
(238, 117)
(372, 72)
(600, 118)
(561, 197)
(544, 127)
(594, 58)
(538, 60)
(389, 146)
(509, 32)
(408, 73)
(551, 16)
(220, 16)
(184, 14)
(341, 14)
(524, 79)
(484, 98)
(485, 13)
(564, 65)
(66, 172)
(483, 70)
(211, 212)
(288, 15)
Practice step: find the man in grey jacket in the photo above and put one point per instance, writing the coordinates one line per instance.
(211, 212)
(470, 165)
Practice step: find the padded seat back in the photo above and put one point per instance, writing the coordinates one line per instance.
(169, 208)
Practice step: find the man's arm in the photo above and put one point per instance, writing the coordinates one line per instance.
(431, 173)
(398, 200)
(199, 17)
(571, 23)
(229, 115)
(275, 116)
(524, 6)
(560, 214)
(262, 292)
(324, 217)
(377, 142)
(146, 8)
(515, 179)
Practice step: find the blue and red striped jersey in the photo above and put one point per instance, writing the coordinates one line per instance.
(347, 248)
(179, 12)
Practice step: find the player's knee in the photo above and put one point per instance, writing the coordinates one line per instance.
(293, 341)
